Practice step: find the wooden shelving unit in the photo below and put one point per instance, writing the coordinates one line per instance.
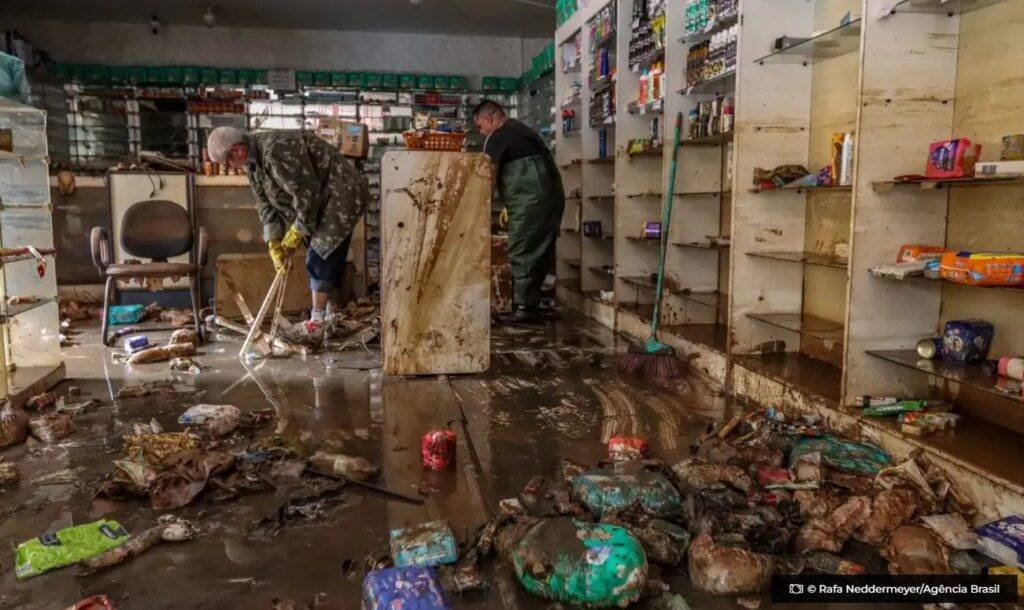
(787, 313)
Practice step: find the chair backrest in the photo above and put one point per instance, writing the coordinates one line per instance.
(156, 229)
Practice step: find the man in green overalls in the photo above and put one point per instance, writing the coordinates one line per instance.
(531, 189)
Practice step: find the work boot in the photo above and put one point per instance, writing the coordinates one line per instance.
(522, 315)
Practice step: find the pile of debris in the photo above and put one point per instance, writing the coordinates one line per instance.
(758, 497)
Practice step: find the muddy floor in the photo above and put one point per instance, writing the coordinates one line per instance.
(551, 393)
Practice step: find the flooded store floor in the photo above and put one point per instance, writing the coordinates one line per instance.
(552, 393)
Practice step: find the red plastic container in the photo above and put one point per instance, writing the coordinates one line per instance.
(438, 449)
(626, 448)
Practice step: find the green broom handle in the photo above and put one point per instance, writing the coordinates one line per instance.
(666, 222)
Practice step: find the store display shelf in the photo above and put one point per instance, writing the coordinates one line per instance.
(601, 197)
(603, 270)
(707, 298)
(937, 183)
(643, 240)
(644, 281)
(572, 163)
(811, 326)
(726, 80)
(702, 193)
(799, 371)
(715, 336)
(644, 195)
(16, 310)
(655, 107)
(938, 280)
(848, 188)
(609, 37)
(712, 140)
(713, 27)
(602, 83)
(806, 258)
(971, 375)
(572, 262)
(702, 246)
(601, 160)
(944, 7)
(603, 236)
(833, 43)
(655, 152)
(647, 61)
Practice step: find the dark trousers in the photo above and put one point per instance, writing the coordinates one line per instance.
(326, 274)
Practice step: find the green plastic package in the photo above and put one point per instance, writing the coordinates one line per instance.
(903, 406)
(851, 456)
(68, 546)
(605, 491)
(593, 564)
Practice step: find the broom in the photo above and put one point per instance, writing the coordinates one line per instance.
(653, 358)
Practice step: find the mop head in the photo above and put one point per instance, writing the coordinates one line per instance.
(652, 359)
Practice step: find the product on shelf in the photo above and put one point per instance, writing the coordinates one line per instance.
(711, 117)
(571, 53)
(966, 340)
(983, 269)
(713, 57)
(569, 124)
(702, 15)
(952, 159)
(647, 42)
(592, 228)
(602, 107)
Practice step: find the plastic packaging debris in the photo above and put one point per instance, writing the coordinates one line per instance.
(348, 466)
(903, 406)
(665, 543)
(13, 426)
(966, 340)
(184, 335)
(96, 602)
(136, 343)
(67, 546)
(693, 476)
(595, 565)
(1003, 540)
(42, 401)
(162, 353)
(51, 427)
(605, 491)
(133, 547)
(831, 533)
(464, 576)
(890, 509)
(438, 449)
(628, 448)
(176, 529)
(722, 570)
(124, 314)
(851, 456)
(806, 474)
(952, 530)
(827, 563)
(817, 503)
(8, 473)
(425, 545)
(914, 550)
(211, 421)
(185, 364)
(405, 588)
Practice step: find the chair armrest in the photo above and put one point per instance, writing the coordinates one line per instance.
(202, 248)
(99, 243)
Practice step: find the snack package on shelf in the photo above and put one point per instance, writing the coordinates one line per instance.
(952, 159)
(983, 269)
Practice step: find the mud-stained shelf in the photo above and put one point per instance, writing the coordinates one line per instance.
(635, 238)
(601, 197)
(806, 258)
(845, 188)
(14, 310)
(936, 183)
(603, 236)
(601, 270)
(970, 375)
(715, 140)
(715, 336)
(572, 262)
(702, 246)
(601, 160)
(707, 298)
(812, 326)
(939, 280)
(810, 375)
(653, 153)
(643, 281)
(704, 193)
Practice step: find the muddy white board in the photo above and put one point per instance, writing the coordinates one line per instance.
(435, 262)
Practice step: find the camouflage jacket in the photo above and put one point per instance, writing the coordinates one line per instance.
(299, 178)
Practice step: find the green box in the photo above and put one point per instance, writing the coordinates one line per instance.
(303, 78)
(190, 75)
(425, 81)
(356, 79)
(339, 79)
(490, 83)
(322, 79)
(374, 80)
(227, 76)
(407, 81)
(175, 75)
(389, 81)
(208, 76)
(508, 85)
(458, 83)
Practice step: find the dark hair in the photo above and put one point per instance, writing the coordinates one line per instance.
(488, 107)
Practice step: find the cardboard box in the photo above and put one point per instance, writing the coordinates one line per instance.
(355, 140)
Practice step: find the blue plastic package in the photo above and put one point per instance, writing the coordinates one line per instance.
(403, 589)
(1003, 540)
(125, 314)
(424, 545)
(966, 340)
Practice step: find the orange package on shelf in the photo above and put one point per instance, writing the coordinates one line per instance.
(983, 269)
(911, 253)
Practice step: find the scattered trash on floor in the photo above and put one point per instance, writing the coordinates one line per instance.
(67, 546)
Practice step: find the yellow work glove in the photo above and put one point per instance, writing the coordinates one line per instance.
(278, 254)
(292, 239)
(503, 218)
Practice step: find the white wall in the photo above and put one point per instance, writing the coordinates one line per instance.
(133, 44)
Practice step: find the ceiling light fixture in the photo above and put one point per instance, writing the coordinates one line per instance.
(210, 16)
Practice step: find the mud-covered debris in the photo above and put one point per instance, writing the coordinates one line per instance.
(749, 602)
(67, 546)
(184, 335)
(722, 570)
(463, 577)
(64, 476)
(176, 317)
(628, 448)
(304, 507)
(912, 549)
(162, 353)
(168, 529)
(348, 466)
(831, 533)
(76, 409)
(849, 456)
(96, 602)
(176, 529)
(424, 545)
(211, 421)
(669, 601)
(890, 509)
(817, 503)
(665, 543)
(153, 427)
(186, 364)
(569, 469)
(8, 473)
(14, 427)
(51, 427)
(146, 389)
(694, 475)
(952, 530)
(42, 401)
(828, 563)
(604, 491)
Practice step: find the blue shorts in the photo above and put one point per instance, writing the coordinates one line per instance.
(326, 274)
